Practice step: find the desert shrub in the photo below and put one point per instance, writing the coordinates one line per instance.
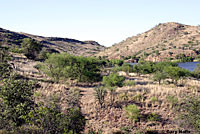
(113, 80)
(153, 117)
(196, 72)
(116, 62)
(132, 112)
(173, 100)
(188, 112)
(125, 130)
(100, 93)
(125, 67)
(17, 102)
(154, 99)
(5, 68)
(31, 48)
(50, 119)
(129, 83)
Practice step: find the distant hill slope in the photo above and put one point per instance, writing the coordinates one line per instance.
(163, 41)
(71, 46)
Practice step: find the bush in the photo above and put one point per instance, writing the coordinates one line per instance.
(31, 48)
(196, 72)
(100, 94)
(16, 102)
(153, 117)
(50, 119)
(132, 112)
(5, 68)
(113, 80)
(188, 112)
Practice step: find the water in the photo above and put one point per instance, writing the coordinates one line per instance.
(133, 63)
(188, 65)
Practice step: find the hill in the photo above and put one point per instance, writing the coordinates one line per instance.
(71, 46)
(162, 42)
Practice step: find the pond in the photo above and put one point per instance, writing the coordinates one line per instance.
(187, 65)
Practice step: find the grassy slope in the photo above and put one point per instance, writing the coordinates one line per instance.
(167, 37)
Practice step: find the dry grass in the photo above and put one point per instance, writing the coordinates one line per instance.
(149, 96)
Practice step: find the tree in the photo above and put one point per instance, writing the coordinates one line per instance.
(159, 75)
(56, 64)
(176, 73)
(84, 69)
(31, 48)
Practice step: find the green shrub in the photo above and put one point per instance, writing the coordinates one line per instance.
(50, 119)
(132, 112)
(16, 102)
(31, 48)
(196, 72)
(113, 80)
(129, 83)
(153, 117)
(173, 100)
(188, 112)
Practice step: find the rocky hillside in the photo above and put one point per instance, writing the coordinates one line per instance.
(72, 46)
(161, 42)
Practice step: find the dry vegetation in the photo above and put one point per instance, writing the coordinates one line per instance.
(149, 96)
(168, 39)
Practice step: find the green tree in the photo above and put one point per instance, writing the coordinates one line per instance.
(176, 73)
(158, 76)
(31, 48)
(84, 69)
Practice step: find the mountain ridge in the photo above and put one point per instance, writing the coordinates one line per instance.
(165, 40)
(71, 46)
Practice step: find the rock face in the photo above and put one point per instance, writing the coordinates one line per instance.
(163, 41)
(71, 46)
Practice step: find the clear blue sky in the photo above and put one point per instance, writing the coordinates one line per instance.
(105, 21)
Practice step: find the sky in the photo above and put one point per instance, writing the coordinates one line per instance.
(105, 21)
